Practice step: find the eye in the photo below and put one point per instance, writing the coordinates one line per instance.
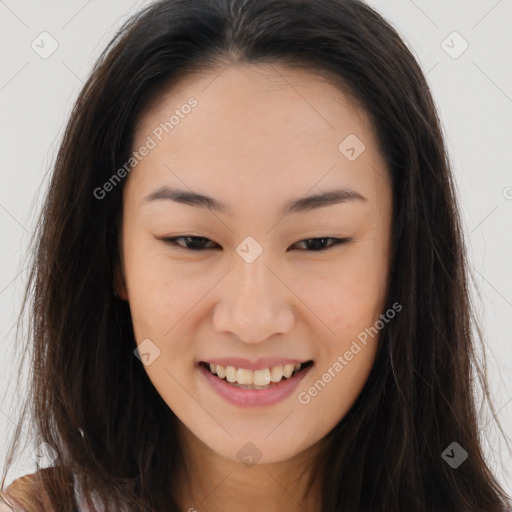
(319, 244)
(197, 243)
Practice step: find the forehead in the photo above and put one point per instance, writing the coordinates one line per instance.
(259, 127)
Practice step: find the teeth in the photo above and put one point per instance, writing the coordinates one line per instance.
(288, 370)
(261, 377)
(258, 378)
(221, 371)
(244, 376)
(276, 373)
(230, 373)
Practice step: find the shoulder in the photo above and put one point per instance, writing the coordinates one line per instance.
(4, 507)
(25, 495)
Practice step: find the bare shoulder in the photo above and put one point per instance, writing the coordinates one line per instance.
(25, 495)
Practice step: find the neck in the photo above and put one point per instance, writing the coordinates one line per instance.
(209, 482)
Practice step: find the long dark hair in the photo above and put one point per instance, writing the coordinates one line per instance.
(91, 399)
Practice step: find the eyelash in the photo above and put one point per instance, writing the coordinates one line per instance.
(172, 241)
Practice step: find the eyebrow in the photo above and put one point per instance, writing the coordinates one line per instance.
(308, 203)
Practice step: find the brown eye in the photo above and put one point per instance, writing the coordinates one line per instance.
(192, 243)
(198, 243)
(320, 244)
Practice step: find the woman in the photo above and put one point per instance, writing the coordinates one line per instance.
(250, 285)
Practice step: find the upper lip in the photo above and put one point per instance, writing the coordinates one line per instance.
(258, 364)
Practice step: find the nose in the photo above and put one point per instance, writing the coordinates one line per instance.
(255, 302)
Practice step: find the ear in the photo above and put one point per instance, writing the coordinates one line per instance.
(119, 282)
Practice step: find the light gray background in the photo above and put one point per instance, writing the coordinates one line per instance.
(473, 93)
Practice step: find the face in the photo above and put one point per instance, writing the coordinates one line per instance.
(252, 280)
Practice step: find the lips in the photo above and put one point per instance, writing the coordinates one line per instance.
(243, 395)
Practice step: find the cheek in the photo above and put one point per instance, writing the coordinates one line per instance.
(354, 300)
(352, 307)
(150, 282)
(349, 297)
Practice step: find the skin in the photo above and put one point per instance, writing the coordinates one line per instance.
(260, 135)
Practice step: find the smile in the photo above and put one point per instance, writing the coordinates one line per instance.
(239, 386)
(255, 379)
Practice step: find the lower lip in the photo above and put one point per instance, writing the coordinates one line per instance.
(254, 397)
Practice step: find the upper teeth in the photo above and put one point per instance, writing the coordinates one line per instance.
(257, 377)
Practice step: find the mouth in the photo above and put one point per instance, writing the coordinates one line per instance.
(259, 379)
